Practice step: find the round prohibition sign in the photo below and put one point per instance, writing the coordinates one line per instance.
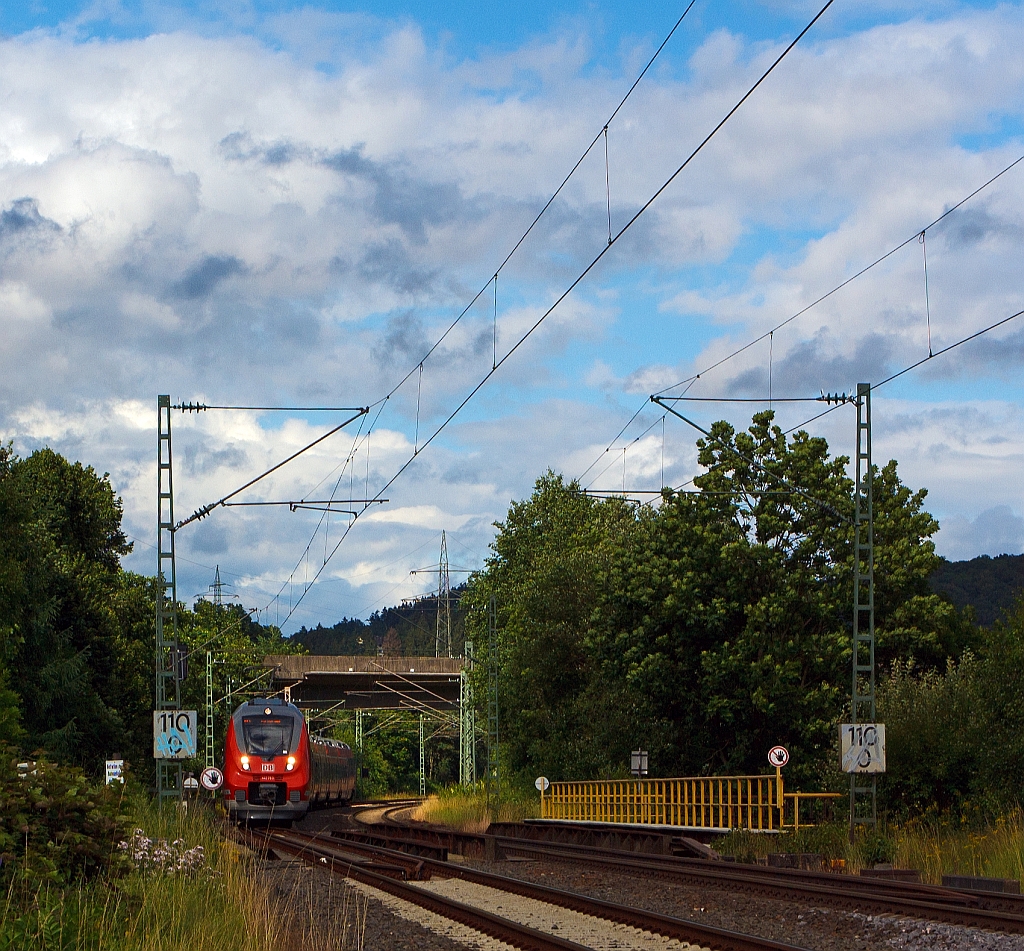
(211, 778)
(778, 756)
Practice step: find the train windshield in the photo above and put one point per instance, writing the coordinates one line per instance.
(270, 735)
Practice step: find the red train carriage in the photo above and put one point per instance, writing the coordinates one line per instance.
(274, 770)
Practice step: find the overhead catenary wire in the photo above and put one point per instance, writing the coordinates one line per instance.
(874, 386)
(586, 270)
(660, 419)
(694, 378)
(864, 270)
(544, 209)
(547, 205)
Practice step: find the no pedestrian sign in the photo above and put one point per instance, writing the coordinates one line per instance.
(778, 756)
(211, 778)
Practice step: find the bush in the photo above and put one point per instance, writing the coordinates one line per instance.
(56, 827)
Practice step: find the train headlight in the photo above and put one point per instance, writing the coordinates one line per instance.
(291, 762)
(245, 762)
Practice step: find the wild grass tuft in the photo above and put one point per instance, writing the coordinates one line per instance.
(224, 903)
(468, 809)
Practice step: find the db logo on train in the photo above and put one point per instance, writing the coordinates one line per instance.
(778, 756)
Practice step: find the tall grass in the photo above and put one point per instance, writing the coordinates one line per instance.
(940, 846)
(468, 809)
(226, 905)
(934, 845)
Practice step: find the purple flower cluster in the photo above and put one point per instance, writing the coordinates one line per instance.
(160, 857)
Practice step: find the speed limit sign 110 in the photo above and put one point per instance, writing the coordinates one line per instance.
(174, 734)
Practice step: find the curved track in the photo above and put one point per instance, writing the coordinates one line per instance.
(995, 912)
(378, 867)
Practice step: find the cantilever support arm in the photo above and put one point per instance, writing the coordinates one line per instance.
(753, 462)
(207, 509)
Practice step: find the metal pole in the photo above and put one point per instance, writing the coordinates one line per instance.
(493, 762)
(209, 709)
(423, 762)
(467, 723)
(863, 797)
(167, 693)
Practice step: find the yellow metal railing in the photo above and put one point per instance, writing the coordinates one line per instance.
(711, 802)
(706, 802)
(791, 817)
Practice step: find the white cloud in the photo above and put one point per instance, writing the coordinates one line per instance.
(996, 531)
(215, 217)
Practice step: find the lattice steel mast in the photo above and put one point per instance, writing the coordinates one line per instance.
(493, 759)
(443, 640)
(168, 651)
(467, 722)
(863, 797)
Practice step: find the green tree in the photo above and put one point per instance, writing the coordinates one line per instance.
(712, 628)
(557, 713)
(728, 615)
(62, 634)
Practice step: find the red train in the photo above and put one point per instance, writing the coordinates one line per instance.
(274, 770)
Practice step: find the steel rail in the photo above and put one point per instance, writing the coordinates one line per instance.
(927, 902)
(502, 929)
(681, 929)
(958, 908)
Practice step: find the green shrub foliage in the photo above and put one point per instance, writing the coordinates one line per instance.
(56, 827)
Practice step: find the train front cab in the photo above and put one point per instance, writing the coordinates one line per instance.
(267, 768)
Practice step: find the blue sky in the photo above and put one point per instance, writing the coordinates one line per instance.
(288, 203)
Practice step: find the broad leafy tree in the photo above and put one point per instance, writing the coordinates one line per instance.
(712, 628)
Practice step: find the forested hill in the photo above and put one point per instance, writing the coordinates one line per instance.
(408, 630)
(989, 585)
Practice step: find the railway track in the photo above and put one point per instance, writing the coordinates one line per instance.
(990, 911)
(396, 872)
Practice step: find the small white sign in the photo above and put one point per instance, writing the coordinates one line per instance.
(114, 768)
(211, 778)
(863, 747)
(174, 734)
(778, 756)
(542, 783)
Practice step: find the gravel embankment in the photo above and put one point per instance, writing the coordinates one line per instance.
(345, 916)
(391, 924)
(819, 929)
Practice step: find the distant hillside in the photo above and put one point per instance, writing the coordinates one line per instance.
(990, 585)
(408, 630)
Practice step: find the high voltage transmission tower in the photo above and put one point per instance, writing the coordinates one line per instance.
(443, 640)
(443, 635)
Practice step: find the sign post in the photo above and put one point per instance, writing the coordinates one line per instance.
(211, 779)
(113, 771)
(778, 756)
(542, 783)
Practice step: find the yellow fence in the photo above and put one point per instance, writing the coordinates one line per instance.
(713, 802)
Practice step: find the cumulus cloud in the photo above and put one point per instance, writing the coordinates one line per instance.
(996, 531)
(298, 219)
